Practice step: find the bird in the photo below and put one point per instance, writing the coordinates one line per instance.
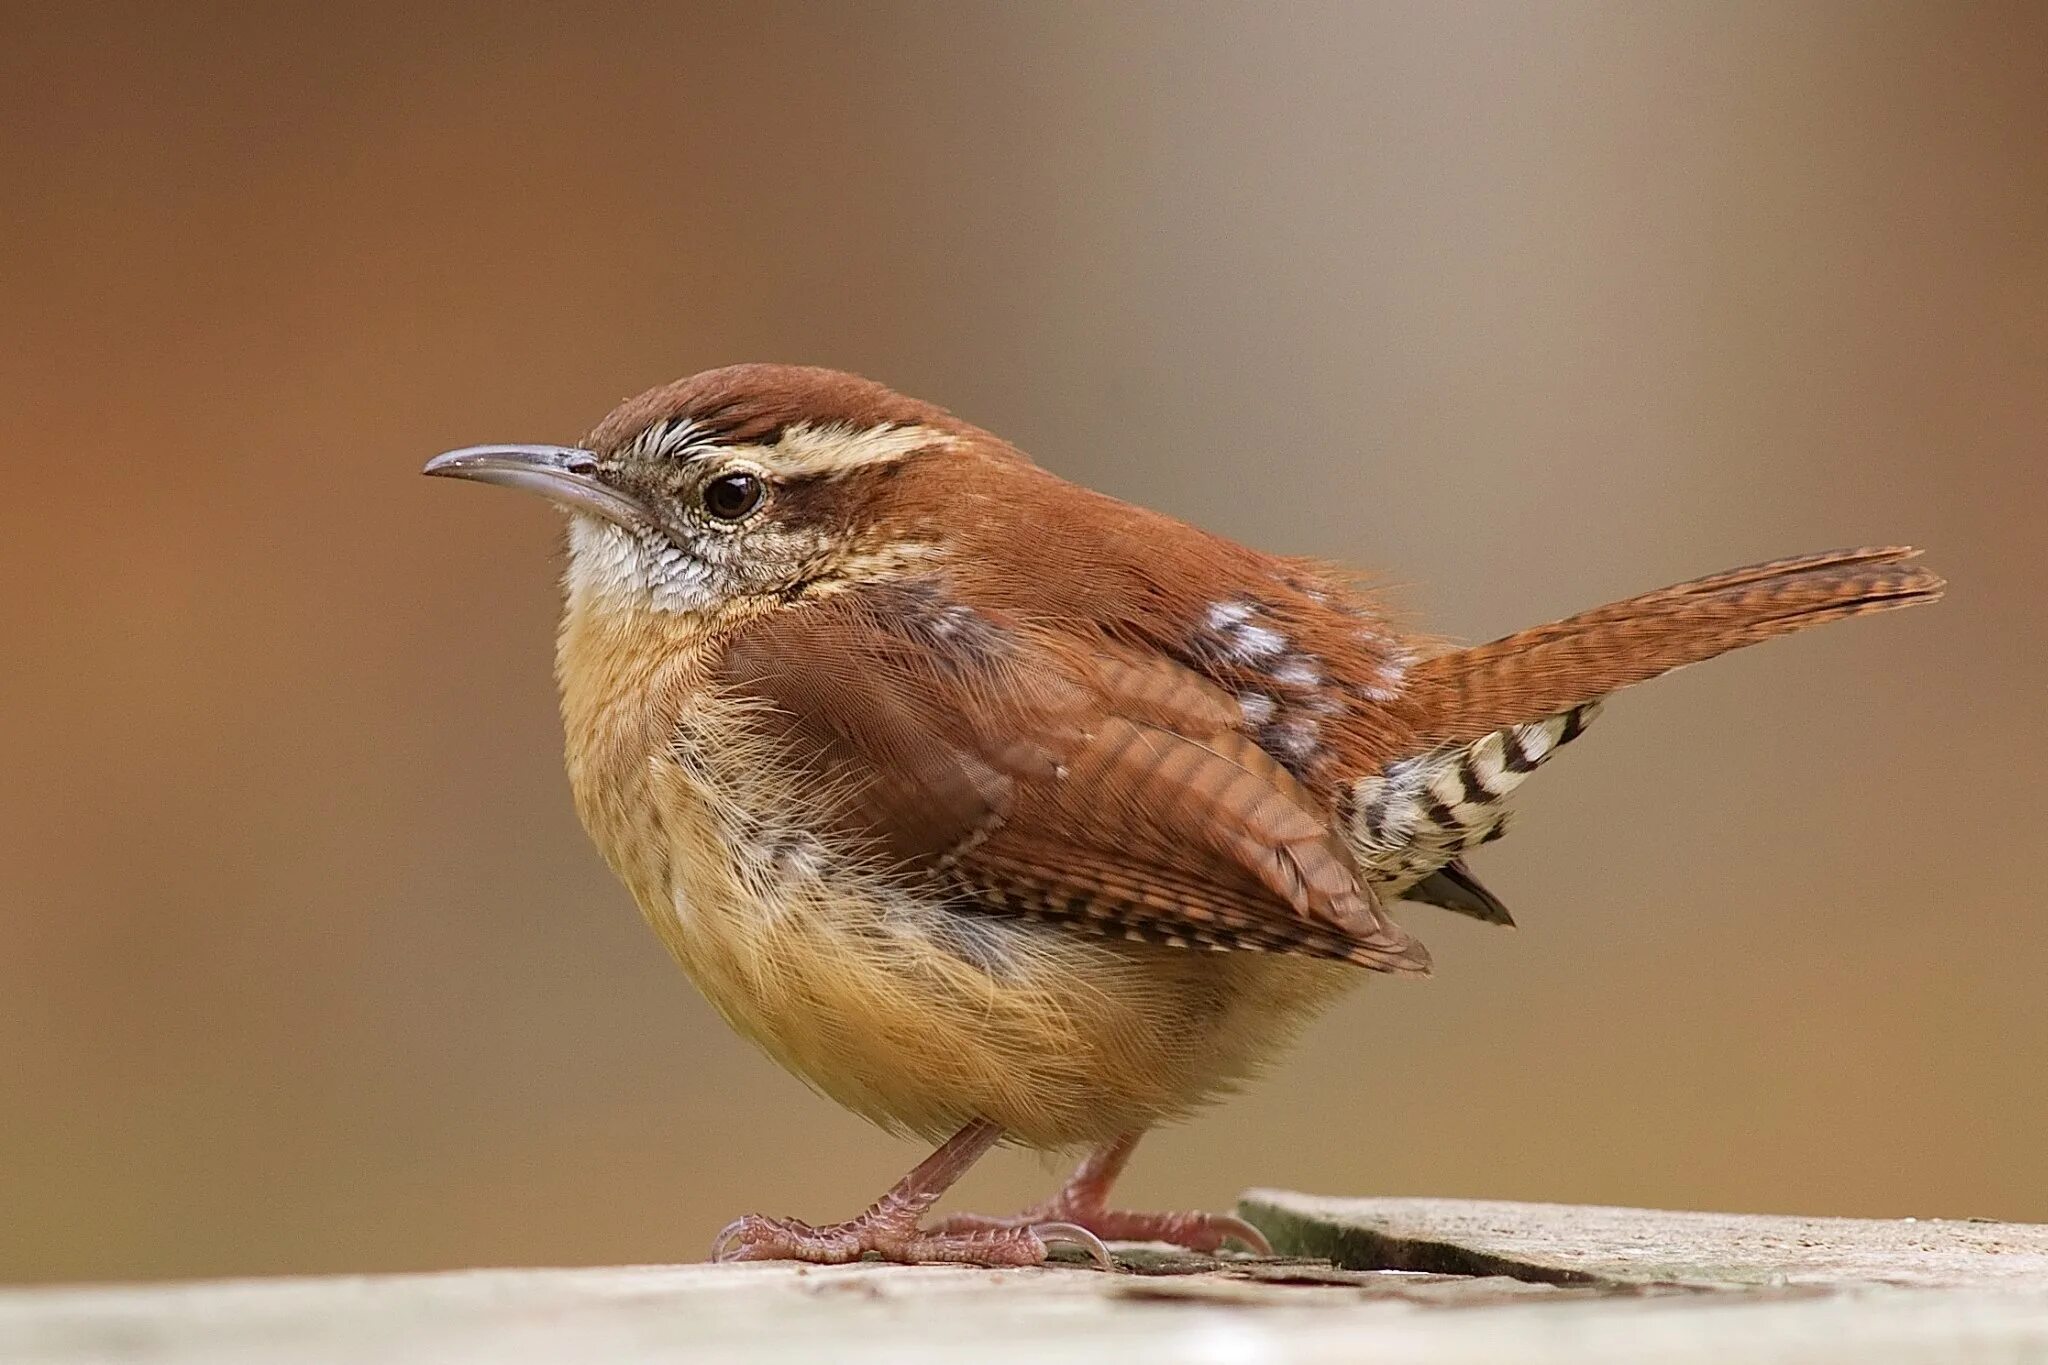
(1001, 811)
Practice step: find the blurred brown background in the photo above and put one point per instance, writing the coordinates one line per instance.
(304, 962)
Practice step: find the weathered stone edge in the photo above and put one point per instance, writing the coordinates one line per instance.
(1354, 1247)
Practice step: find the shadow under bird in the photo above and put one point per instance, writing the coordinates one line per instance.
(1000, 810)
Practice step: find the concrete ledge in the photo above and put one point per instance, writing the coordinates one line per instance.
(1590, 1244)
(1560, 1283)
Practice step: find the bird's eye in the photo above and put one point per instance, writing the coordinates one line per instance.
(730, 497)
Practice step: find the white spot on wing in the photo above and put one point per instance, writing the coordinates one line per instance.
(1295, 737)
(1386, 682)
(1297, 670)
(1224, 615)
(1257, 642)
(1243, 639)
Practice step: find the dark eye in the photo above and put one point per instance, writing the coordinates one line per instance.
(730, 497)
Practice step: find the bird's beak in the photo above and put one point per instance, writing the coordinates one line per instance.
(562, 474)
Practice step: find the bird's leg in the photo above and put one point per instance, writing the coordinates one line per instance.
(1084, 1202)
(890, 1226)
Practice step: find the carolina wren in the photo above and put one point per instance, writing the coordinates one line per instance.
(1000, 810)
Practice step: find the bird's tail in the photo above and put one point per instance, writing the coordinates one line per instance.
(1485, 718)
(1547, 671)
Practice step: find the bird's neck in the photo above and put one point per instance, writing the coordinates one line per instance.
(626, 675)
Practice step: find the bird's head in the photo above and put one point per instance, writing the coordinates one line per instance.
(736, 486)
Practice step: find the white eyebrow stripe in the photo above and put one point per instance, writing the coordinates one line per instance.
(809, 451)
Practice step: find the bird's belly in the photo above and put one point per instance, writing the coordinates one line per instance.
(920, 1016)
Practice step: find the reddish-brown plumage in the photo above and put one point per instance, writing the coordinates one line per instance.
(1463, 694)
(747, 403)
(1050, 773)
(992, 804)
(1154, 731)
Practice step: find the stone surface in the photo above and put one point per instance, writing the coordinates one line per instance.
(1566, 1284)
(1590, 1244)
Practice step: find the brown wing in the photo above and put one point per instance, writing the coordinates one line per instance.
(1084, 783)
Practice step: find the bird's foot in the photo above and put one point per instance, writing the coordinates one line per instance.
(894, 1237)
(1204, 1232)
(1083, 1202)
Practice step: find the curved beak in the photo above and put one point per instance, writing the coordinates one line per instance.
(564, 475)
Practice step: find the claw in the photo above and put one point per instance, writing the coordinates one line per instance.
(1232, 1226)
(727, 1235)
(1076, 1235)
(752, 1237)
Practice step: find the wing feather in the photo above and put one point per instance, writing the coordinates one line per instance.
(1085, 783)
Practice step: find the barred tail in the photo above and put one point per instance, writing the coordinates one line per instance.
(1488, 717)
(1547, 671)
